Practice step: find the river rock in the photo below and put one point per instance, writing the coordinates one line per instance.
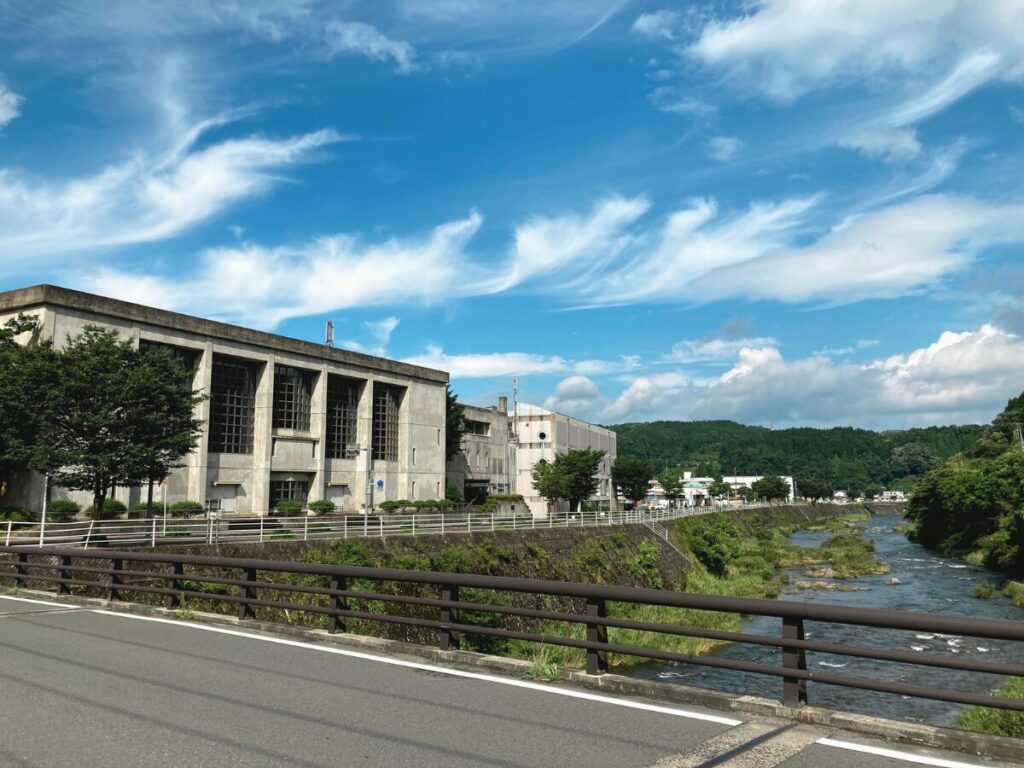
(894, 581)
(829, 585)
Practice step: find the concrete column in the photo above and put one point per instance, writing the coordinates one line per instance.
(263, 441)
(406, 471)
(318, 431)
(197, 462)
(364, 425)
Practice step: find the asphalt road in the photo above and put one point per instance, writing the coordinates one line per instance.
(84, 688)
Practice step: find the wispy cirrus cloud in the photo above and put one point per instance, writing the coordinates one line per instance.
(10, 104)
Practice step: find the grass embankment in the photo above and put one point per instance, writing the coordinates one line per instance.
(730, 555)
(1003, 722)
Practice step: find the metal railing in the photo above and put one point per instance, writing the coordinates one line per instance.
(334, 593)
(171, 531)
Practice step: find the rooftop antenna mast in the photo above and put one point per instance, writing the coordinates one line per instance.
(329, 334)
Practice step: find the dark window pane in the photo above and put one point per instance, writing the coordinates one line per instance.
(342, 408)
(232, 405)
(288, 490)
(386, 401)
(293, 390)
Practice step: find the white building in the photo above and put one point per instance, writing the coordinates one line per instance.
(696, 493)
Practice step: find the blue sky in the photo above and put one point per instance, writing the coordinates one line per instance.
(781, 212)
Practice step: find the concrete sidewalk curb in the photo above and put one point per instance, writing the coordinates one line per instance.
(895, 731)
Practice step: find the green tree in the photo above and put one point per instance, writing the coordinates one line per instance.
(454, 423)
(122, 417)
(671, 482)
(580, 469)
(719, 488)
(913, 459)
(632, 477)
(770, 488)
(550, 481)
(27, 372)
(164, 426)
(814, 489)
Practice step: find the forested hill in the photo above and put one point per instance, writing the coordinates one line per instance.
(846, 458)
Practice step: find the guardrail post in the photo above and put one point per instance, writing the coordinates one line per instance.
(113, 593)
(246, 610)
(305, 528)
(597, 661)
(10, 525)
(794, 690)
(19, 570)
(442, 523)
(63, 588)
(336, 623)
(381, 519)
(152, 538)
(448, 615)
(173, 600)
(261, 529)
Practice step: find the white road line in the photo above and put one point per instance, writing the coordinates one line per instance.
(40, 602)
(896, 754)
(573, 694)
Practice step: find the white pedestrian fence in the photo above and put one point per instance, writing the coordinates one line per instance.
(173, 531)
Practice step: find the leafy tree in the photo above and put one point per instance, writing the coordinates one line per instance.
(632, 477)
(550, 481)
(123, 417)
(813, 488)
(671, 482)
(580, 468)
(453, 493)
(454, 423)
(719, 488)
(715, 542)
(164, 427)
(26, 385)
(770, 487)
(913, 459)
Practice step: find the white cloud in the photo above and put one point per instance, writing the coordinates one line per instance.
(789, 47)
(486, 365)
(885, 143)
(713, 349)
(379, 332)
(574, 395)
(145, 198)
(961, 377)
(882, 254)
(724, 148)
(659, 24)
(676, 101)
(10, 104)
(365, 39)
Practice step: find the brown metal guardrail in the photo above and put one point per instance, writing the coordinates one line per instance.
(110, 577)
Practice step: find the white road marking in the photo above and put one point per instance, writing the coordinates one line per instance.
(896, 754)
(573, 694)
(39, 602)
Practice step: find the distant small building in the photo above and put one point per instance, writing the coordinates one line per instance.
(891, 496)
(696, 491)
(840, 497)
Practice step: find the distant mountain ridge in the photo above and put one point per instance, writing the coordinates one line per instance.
(845, 457)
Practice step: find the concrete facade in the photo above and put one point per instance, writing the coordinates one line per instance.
(486, 463)
(541, 434)
(244, 481)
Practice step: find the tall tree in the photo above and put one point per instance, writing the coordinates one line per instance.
(580, 469)
(165, 427)
(122, 417)
(27, 374)
(632, 477)
(814, 488)
(719, 488)
(770, 488)
(671, 482)
(454, 423)
(549, 481)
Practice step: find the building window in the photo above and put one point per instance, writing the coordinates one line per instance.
(293, 390)
(386, 401)
(478, 428)
(288, 490)
(232, 405)
(342, 407)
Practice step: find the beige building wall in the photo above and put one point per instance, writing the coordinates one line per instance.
(486, 463)
(241, 483)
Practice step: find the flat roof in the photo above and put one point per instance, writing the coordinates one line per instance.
(55, 296)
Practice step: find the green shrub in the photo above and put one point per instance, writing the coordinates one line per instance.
(986, 590)
(185, 508)
(1015, 591)
(644, 564)
(714, 539)
(288, 507)
(1004, 722)
(388, 506)
(453, 494)
(112, 509)
(15, 514)
(322, 506)
(62, 510)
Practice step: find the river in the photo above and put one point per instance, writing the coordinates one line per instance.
(930, 583)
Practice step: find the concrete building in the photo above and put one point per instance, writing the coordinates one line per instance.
(695, 489)
(486, 463)
(285, 419)
(541, 434)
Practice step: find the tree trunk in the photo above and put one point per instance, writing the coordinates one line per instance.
(99, 495)
(149, 499)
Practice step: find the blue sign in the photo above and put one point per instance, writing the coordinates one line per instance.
(380, 485)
